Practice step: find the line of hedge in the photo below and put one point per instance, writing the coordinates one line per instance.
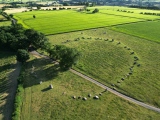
(18, 98)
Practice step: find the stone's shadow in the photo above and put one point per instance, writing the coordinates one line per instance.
(45, 89)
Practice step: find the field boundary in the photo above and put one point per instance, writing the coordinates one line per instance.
(132, 34)
(124, 16)
(116, 92)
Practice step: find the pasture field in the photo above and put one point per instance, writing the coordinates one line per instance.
(41, 103)
(52, 22)
(7, 60)
(5, 23)
(148, 30)
(108, 62)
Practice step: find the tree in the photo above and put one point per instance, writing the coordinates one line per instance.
(22, 55)
(69, 56)
(38, 7)
(11, 15)
(36, 39)
(87, 4)
(95, 10)
(34, 16)
(65, 4)
(66, 56)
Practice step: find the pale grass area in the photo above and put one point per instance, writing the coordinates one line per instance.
(15, 10)
(1, 5)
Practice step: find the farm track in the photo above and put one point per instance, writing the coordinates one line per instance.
(123, 16)
(8, 110)
(35, 53)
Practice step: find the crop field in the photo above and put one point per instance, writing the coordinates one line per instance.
(40, 102)
(109, 62)
(52, 22)
(6, 64)
(130, 12)
(148, 30)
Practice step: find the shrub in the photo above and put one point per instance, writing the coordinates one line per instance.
(95, 10)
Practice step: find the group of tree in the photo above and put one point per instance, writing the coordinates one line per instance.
(20, 40)
(145, 7)
(15, 37)
(148, 13)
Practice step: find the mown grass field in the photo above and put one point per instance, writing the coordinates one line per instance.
(52, 22)
(7, 60)
(108, 62)
(40, 103)
(148, 30)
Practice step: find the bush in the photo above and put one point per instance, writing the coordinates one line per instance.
(95, 10)
(22, 55)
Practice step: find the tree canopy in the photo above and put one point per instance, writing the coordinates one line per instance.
(65, 55)
(22, 55)
(16, 37)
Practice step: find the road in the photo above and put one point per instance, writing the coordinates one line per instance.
(115, 92)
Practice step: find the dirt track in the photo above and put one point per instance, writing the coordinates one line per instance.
(9, 106)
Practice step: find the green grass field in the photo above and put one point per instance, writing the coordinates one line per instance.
(136, 12)
(5, 23)
(52, 22)
(148, 30)
(6, 64)
(41, 103)
(108, 62)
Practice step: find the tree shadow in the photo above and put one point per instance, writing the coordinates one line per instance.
(6, 67)
(39, 70)
(8, 90)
